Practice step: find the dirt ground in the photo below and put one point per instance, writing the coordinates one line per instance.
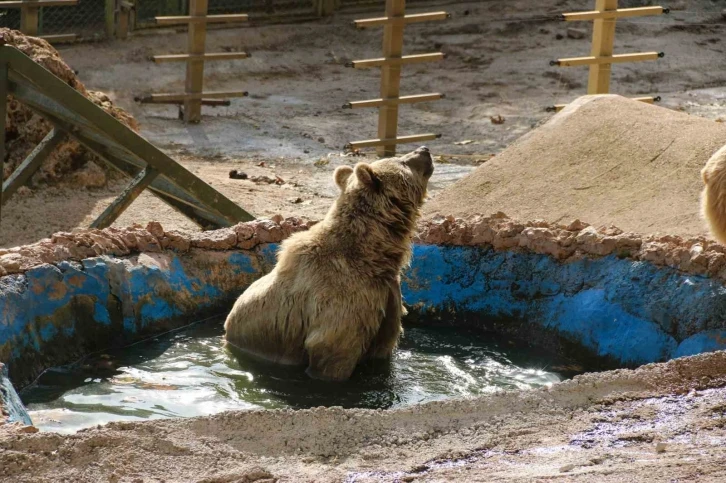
(661, 422)
(293, 121)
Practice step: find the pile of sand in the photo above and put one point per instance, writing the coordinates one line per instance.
(604, 159)
(25, 129)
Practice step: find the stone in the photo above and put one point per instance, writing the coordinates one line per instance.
(575, 33)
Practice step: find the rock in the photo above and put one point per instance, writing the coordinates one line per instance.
(661, 447)
(321, 140)
(576, 225)
(567, 468)
(234, 174)
(575, 33)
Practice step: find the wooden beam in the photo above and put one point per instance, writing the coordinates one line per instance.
(205, 57)
(394, 61)
(613, 14)
(603, 39)
(127, 196)
(405, 20)
(197, 96)
(31, 164)
(54, 89)
(3, 113)
(613, 59)
(201, 19)
(38, 3)
(205, 102)
(397, 101)
(371, 143)
(123, 20)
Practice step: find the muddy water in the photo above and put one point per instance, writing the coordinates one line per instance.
(191, 373)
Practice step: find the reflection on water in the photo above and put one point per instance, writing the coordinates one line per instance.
(192, 373)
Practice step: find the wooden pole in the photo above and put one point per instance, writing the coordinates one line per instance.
(195, 65)
(603, 39)
(3, 113)
(110, 17)
(390, 77)
(31, 164)
(29, 19)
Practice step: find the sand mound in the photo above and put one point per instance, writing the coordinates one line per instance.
(604, 159)
(25, 129)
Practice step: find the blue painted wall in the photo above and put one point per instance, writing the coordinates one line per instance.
(626, 311)
(630, 312)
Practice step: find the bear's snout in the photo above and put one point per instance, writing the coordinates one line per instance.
(422, 162)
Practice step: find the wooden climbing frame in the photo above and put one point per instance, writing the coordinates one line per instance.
(393, 59)
(30, 16)
(194, 96)
(73, 115)
(601, 56)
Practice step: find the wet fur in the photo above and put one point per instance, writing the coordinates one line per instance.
(713, 198)
(334, 297)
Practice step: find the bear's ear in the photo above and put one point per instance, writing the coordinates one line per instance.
(342, 173)
(366, 176)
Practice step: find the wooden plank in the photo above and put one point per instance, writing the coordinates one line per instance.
(115, 131)
(31, 163)
(201, 19)
(4, 89)
(614, 59)
(160, 187)
(205, 57)
(405, 20)
(372, 143)
(612, 14)
(196, 40)
(163, 97)
(390, 76)
(38, 3)
(396, 61)
(59, 38)
(205, 102)
(399, 100)
(603, 39)
(127, 196)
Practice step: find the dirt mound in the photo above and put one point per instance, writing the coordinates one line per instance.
(25, 129)
(605, 159)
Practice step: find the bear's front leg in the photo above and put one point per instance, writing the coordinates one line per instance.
(333, 353)
(390, 331)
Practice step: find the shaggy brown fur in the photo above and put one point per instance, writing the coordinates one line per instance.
(713, 199)
(334, 297)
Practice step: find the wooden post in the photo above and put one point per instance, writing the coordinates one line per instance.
(142, 181)
(29, 19)
(123, 14)
(390, 77)
(31, 164)
(603, 39)
(195, 66)
(3, 113)
(110, 16)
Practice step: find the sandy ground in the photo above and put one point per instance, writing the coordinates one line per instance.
(627, 163)
(661, 422)
(497, 66)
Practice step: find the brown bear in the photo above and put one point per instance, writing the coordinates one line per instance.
(713, 199)
(334, 296)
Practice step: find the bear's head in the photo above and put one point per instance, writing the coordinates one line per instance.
(391, 190)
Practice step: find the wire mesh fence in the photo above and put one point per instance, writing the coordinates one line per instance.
(89, 19)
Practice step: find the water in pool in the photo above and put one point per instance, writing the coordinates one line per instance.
(191, 373)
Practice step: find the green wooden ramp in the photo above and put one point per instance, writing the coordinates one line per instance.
(72, 114)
